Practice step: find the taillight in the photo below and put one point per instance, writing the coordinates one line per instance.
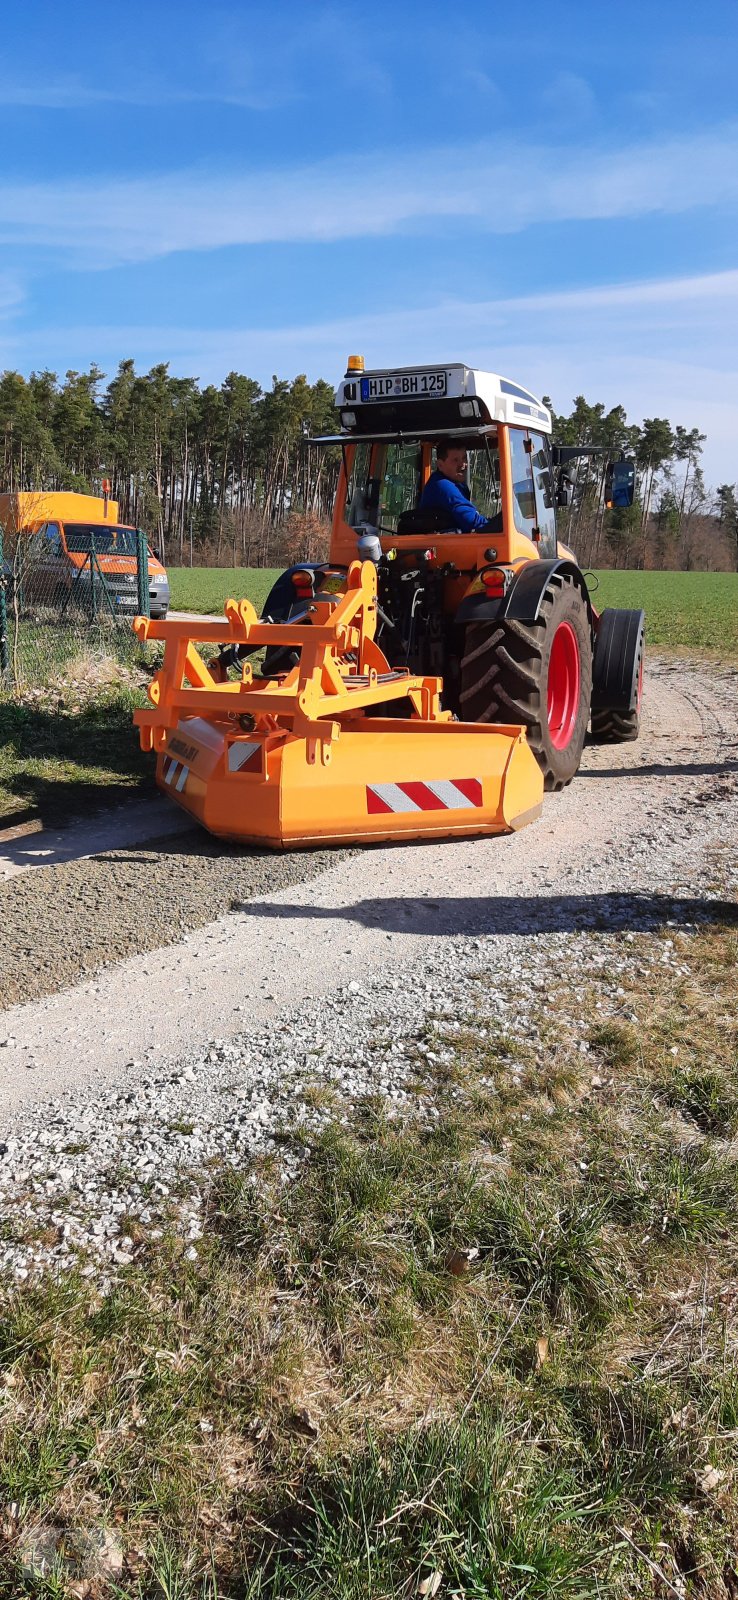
(494, 582)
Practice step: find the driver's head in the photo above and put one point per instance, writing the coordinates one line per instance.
(451, 460)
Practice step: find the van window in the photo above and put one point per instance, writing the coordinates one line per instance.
(52, 544)
(109, 541)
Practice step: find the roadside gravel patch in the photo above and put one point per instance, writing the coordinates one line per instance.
(60, 923)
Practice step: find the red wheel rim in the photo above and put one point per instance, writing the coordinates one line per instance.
(564, 680)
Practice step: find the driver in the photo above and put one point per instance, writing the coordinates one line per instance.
(448, 490)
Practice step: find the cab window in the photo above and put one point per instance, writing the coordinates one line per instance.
(544, 488)
(524, 497)
(399, 483)
(360, 491)
(484, 479)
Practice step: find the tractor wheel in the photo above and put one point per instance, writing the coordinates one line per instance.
(617, 688)
(538, 674)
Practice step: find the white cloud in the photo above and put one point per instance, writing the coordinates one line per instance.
(665, 348)
(72, 94)
(102, 221)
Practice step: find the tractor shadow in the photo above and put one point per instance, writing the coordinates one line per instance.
(659, 769)
(519, 915)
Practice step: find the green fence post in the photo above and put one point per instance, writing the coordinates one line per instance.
(142, 572)
(4, 655)
(93, 575)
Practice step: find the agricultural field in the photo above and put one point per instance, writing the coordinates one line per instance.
(685, 610)
(207, 588)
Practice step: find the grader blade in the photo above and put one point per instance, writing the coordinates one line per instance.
(300, 759)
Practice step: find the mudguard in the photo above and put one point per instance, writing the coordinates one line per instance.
(281, 596)
(522, 602)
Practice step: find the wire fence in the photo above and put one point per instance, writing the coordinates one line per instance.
(59, 606)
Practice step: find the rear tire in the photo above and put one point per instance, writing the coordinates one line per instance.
(618, 677)
(538, 674)
(615, 727)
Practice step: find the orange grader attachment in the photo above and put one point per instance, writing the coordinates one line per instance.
(298, 759)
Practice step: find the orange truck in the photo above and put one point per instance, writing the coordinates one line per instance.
(66, 533)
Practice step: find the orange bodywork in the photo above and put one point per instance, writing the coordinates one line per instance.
(299, 759)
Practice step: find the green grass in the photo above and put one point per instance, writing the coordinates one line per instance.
(64, 757)
(495, 1346)
(684, 610)
(207, 588)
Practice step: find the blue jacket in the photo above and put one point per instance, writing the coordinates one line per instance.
(442, 494)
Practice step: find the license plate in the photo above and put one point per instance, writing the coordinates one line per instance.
(405, 386)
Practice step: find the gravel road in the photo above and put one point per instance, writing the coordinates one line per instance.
(329, 966)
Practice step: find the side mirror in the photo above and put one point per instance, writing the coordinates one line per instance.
(620, 484)
(564, 489)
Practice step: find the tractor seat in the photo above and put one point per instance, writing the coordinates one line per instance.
(421, 522)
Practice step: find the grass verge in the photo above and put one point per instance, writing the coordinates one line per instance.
(488, 1351)
(67, 752)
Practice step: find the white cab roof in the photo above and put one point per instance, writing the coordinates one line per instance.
(503, 399)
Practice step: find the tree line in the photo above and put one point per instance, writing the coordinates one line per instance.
(674, 522)
(224, 475)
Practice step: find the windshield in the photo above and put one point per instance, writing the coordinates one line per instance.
(108, 541)
(380, 499)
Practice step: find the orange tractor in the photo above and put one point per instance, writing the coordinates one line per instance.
(425, 680)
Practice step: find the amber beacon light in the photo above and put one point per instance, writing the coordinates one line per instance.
(355, 364)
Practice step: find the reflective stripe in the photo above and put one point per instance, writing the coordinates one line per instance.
(391, 797)
(175, 775)
(239, 754)
(460, 795)
(443, 794)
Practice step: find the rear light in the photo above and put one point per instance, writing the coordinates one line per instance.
(494, 581)
(348, 419)
(303, 581)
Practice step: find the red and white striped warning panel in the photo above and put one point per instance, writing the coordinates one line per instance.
(461, 794)
(175, 774)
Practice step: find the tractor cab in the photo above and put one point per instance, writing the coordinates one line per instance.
(391, 422)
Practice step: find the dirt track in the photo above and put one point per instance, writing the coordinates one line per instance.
(658, 818)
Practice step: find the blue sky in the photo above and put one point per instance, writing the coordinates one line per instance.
(550, 191)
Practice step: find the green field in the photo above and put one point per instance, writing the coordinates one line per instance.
(684, 610)
(207, 588)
